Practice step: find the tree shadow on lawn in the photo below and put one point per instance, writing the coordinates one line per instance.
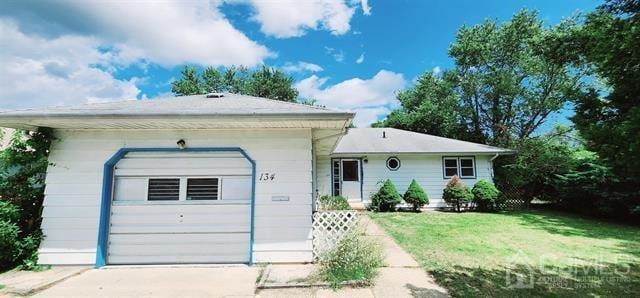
(571, 225)
(523, 280)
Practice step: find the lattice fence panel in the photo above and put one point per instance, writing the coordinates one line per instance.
(329, 227)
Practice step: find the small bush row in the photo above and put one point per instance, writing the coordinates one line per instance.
(484, 195)
(388, 197)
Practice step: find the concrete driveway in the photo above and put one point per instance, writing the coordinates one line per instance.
(228, 281)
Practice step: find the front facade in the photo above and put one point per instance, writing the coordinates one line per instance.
(365, 157)
(221, 179)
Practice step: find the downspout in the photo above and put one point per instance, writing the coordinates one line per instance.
(491, 162)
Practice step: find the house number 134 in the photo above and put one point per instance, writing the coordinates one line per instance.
(267, 176)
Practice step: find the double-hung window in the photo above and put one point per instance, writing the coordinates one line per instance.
(463, 166)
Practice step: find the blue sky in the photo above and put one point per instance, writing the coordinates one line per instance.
(349, 54)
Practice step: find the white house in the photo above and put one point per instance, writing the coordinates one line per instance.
(221, 178)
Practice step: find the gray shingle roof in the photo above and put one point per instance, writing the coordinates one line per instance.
(371, 141)
(196, 105)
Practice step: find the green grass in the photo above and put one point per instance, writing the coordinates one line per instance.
(471, 253)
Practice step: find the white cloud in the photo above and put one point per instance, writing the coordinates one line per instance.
(301, 66)
(369, 98)
(164, 32)
(337, 55)
(292, 18)
(366, 9)
(360, 59)
(39, 71)
(436, 70)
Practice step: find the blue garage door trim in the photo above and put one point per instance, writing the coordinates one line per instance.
(107, 193)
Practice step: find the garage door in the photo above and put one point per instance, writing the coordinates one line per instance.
(180, 208)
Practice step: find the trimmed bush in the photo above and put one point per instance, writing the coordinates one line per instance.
(386, 198)
(355, 258)
(415, 196)
(330, 203)
(485, 194)
(456, 194)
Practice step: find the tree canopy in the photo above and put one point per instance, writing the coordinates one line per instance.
(505, 84)
(263, 82)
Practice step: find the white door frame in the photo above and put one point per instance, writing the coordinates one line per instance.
(353, 187)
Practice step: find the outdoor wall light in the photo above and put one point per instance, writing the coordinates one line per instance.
(181, 144)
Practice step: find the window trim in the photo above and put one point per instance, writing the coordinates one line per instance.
(395, 158)
(459, 166)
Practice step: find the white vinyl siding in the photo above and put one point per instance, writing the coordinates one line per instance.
(74, 185)
(426, 169)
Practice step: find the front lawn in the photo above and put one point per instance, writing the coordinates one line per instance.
(499, 254)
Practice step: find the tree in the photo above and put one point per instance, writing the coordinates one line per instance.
(431, 106)
(188, 84)
(608, 44)
(505, 84)
(23, 165)
(264, 82)
(415, 196)
(271, 83)
(386, 198)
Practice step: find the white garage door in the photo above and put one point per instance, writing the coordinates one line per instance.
(180, 208)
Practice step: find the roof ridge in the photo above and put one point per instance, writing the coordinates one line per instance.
(282, 101)
(439, 137)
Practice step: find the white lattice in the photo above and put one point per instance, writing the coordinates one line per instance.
(329, 227)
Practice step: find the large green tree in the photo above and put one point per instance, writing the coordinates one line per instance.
(505, 84)
(608, 44)
(263, 82)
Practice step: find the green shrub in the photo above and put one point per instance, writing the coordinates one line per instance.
(386, 198)
(354, 258)
(485, 194)
(456, 193)
(328, 203)
(28, 252)
(8, 243)
(415, 196)
(9, 212)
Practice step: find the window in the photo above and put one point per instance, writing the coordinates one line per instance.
(450, 167)
(164, 189)
(336, 177)
(393, 163)
(202, 188)
(465, 167)
(350, 170)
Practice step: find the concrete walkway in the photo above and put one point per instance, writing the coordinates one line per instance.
(401, 276)
(219, 281)
(24, 283)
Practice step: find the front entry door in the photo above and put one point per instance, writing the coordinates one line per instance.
(350, 178)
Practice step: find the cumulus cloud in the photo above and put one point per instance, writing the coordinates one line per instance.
(360, 59)
(301, 66)
(436, 70)
(164, 32)
(369, 98)
(292, 18)
(39, 71)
